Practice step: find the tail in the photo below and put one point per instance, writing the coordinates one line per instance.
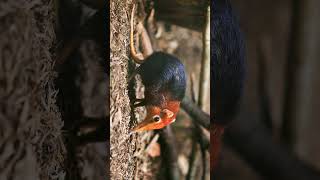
(215, 145)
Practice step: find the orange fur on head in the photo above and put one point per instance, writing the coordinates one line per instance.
(158, 118)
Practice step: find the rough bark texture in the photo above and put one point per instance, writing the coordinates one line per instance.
(128, 159)
(31, 138)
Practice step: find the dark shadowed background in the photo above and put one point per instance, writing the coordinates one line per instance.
(277, 128)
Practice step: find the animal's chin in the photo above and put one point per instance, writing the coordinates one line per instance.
(146, 126)
(149, 127)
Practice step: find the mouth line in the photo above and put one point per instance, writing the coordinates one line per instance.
(138, 127)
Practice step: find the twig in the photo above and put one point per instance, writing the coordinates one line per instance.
(194, 150)
(154, 140)
(167, 142)
(204, 162)
(252, 141)
(192, 159)
(193, 91)
(262, 88)
(204, 88)
(201, 137)
(203, 141)
(204, 82)
(152, 28)
(196, 113)
(292, 69)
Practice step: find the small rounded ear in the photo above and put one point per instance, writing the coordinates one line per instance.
(168, 113)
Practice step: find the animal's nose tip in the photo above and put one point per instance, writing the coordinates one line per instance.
(132, 131)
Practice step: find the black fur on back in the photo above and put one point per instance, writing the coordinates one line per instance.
(227, 62)
(162, 75)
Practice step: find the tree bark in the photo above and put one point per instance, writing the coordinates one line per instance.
(127, 151)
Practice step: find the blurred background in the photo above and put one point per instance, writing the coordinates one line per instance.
(44, 101)
(53, 90)
(276, 133)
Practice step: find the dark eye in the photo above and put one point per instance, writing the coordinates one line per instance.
(156, 118)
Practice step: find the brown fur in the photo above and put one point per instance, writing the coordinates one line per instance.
(215, 144)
